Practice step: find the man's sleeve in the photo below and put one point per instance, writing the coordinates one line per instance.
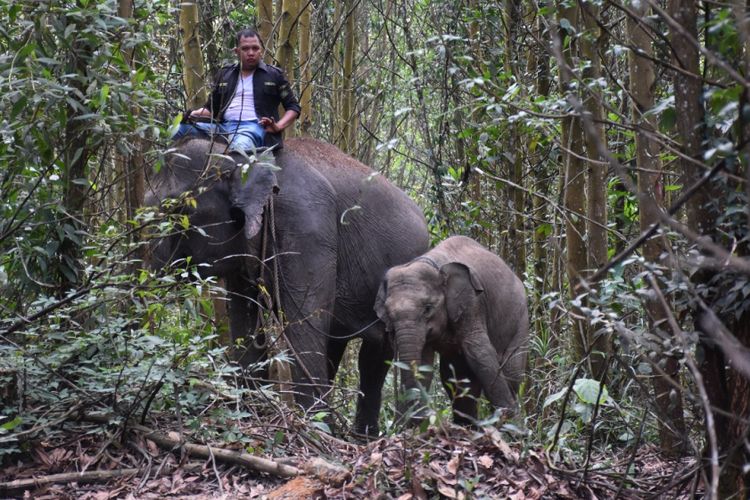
(214, 97)
(286, 94)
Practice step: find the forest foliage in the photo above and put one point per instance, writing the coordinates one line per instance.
(599, 147)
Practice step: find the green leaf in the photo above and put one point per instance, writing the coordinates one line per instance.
(278, 438)
(400, 364)
(565, 24)
(588, 389)
(544, 230)
(103, 95)
(9, 426)
(668, 119)
(322, 426)
(554, 397)
(18, 107)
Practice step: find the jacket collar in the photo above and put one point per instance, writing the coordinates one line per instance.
(261, 66)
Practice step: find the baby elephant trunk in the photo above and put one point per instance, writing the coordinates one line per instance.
(410, 342)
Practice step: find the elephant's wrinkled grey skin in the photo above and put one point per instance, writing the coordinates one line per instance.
(463, 302)
(338, 227)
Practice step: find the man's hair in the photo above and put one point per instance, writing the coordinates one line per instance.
(246, 33)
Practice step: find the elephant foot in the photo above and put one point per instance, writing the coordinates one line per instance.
(366, 432)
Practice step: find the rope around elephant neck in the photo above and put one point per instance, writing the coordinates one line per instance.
(424, 258)
(282, 338)
(276, 291)
(269, 301)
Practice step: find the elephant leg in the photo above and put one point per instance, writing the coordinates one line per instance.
(246, 349)
(306, 248)
(336, 349)
(462, 387)
(484, 361)
(373, 368)
(308, 291)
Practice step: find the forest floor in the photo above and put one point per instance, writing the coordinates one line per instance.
(95, 460)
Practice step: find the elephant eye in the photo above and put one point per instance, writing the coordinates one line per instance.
(428, 309)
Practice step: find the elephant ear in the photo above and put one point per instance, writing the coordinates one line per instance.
(379, 306)
(461, 285)
(249, 193)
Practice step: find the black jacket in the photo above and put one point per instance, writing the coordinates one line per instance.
(270, 88)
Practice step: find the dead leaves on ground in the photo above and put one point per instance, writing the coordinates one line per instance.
(465, 464)
(450, 462)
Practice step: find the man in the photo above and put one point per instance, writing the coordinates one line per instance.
(244, 102)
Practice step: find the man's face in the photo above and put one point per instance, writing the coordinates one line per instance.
(249, 52)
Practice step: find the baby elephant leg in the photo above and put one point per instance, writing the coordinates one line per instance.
(462, 387)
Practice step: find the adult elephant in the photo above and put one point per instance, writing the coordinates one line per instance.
(333, 227)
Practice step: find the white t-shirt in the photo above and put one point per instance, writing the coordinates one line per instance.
(242, 107)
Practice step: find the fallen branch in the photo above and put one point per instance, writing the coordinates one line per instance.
(93, 476)
(172, 442)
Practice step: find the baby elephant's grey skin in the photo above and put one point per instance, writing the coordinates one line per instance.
(465, 303)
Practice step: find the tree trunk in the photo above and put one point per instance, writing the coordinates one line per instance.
(516, 195)
(726, 389)
(75, 157)
(193, 71)
(420, 115)
(472, 153)
(336, 65)
(348, 129)
(265, 25)
(131, 162)
(542, 219)
(596, 192)
(305, 80)
(574, 189)
(651, 189)
(288, 31)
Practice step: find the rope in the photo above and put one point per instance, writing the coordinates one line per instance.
(260, 320)
(277, 298)
(269, 301)
(276, 287)
(424, 258)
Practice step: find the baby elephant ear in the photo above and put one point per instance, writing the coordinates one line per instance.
(380, 304)
(461, 286)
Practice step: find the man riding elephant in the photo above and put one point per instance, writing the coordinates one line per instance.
(243, 105)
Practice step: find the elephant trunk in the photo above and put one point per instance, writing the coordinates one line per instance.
(410, 343)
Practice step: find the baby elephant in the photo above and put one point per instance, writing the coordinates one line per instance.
(465, 303)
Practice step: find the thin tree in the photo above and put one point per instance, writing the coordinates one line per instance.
(538, 65)
(574, 175)
(305, 80)
(287, 42)
(131, 161)
(76, 155)
(265, 24)
(193, 71)
(592, 45)
(726, 389)
(516, 248)
(347, 78)
(651, 190)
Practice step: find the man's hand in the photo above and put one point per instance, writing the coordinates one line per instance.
(270, 125)
(274, 127)
(200, 113)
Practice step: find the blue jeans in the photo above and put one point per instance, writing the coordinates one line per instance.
(242, 136)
